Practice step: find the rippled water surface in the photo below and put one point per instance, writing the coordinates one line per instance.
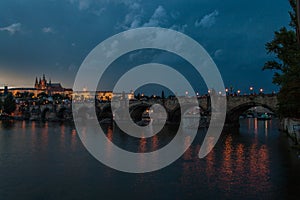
(48, 161)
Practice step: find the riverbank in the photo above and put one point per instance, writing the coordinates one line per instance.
(292, 127)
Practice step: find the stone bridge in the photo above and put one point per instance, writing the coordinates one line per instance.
(236, 105)
(51, 112)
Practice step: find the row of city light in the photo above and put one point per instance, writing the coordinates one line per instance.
(230, 91)
(261, 90)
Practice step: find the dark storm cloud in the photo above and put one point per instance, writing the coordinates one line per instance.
(54, 36)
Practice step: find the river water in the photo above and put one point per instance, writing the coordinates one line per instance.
(48, 161)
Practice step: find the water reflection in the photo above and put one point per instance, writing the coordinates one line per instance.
(62, 137)
(188, 153)
(109, 143)
(33, 135)
(142, 149)
(44, 138)
(210, 169)
(154, 142)
(240, 162)
(241, 165)
(73, 139)
(226, 167)
(7, 124)
(235, 164)
(255, 125)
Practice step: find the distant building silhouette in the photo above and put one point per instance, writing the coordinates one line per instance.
(42, 85)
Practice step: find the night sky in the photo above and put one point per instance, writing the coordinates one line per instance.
(54, 36)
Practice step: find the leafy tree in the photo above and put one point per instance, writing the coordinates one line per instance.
(289, 97)
(286, 65)
(9, 104)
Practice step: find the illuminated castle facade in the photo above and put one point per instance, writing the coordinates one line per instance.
(42, 84)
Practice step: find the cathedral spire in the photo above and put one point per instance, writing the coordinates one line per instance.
(36, 80)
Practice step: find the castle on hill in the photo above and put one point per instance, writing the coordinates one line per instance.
(42, 84)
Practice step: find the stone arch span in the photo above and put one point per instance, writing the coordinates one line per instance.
(233, 114)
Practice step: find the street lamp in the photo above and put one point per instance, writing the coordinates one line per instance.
(251, 90)
(186, 93)
(226, 90)
(261, 90)
(239, 92)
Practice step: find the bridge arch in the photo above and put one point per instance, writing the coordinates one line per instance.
(64, 113)
(136, 110)
(82, 112)
(105, 112)
(234, 113)
(175, 114)
(237, 105)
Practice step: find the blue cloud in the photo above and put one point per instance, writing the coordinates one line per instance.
(12, 29)
(233, 32)
(208, 20)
